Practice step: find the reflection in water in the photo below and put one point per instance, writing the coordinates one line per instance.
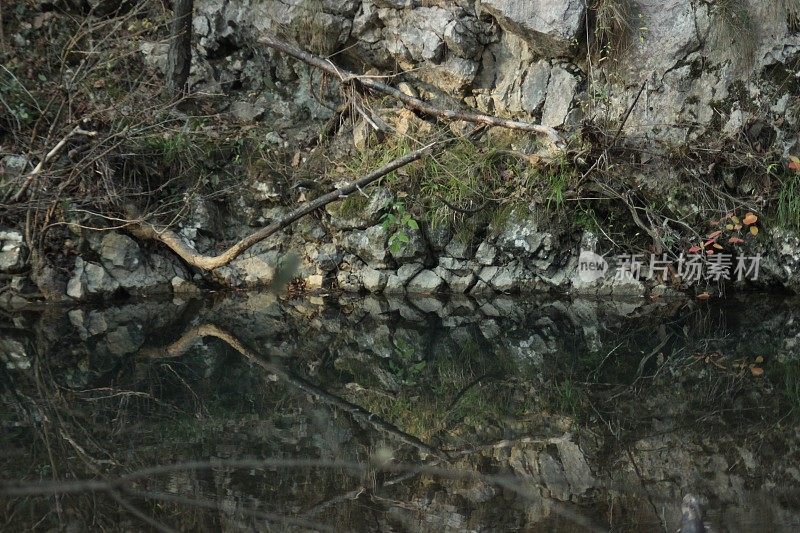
(257, 412)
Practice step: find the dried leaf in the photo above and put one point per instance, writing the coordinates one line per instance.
(794, 163)
(729, 227)
(296, 160)
(694, 249)
(709, 252)
(735, 219)
(753, 231)
(750, 219)
(737, 227)
(759, 359)
(703, 296)
(717, 246)
(735, 240)
(715, 234)
(756, 370)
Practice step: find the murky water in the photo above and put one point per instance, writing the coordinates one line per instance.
(253, 412)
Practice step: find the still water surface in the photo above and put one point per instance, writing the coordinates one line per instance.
(254, 412)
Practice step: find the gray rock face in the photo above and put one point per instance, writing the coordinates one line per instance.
(117, 250)
(519, 236)
(560, 94)
(551, 26)
(90, 279)
(14, 165)
(14, 353)
(413, 250)
(327, 256)
(374, 280)
(368, 245)
(122, 266)
(13, 252)
(534, 88)
(396, 282)
(426, 282)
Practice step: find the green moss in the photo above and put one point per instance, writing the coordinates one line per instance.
(352, 206)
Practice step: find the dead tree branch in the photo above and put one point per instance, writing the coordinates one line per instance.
(411, 102)
(191, 256)
(77, 130)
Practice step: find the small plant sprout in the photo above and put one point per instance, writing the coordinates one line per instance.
(399, 219)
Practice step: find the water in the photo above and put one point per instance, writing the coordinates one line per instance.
(254, 412)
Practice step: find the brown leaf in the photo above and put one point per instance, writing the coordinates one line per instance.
(753, 231)
(756, 370)
(750, 219)
(703, 296)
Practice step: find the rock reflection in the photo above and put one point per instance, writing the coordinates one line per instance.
(403, 414)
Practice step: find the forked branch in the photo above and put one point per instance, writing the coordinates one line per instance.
(411, 102)
(147, 230)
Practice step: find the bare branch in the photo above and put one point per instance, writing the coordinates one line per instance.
(409, 101)
(176, 244)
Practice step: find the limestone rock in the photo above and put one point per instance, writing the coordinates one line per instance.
(368, 245)
(560, 94)
(426, 282)
(326, 256)
(90, 279)
(396, 282)
(413, 250)
(535, 86)
(117, 250)
(374, 280)
(13, 252)
(551, 26)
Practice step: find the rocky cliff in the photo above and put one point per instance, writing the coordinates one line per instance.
(673, 112)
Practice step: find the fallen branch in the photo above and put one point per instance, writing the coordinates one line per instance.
(409, 101)
(77, 130)
(191, 256)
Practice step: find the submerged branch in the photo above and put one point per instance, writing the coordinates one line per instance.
(190, 337)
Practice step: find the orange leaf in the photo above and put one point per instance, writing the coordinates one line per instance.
(750, 219)
(753, 231)
(756, 370)
(735, 240)
(703, 296)
(715, 234)
(794, 163)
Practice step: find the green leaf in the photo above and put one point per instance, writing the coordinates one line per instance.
(413, 224)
